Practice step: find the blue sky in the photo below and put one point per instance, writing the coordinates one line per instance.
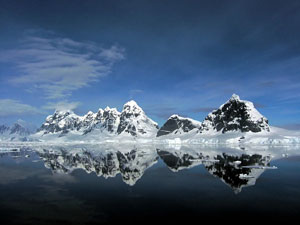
(184, 57)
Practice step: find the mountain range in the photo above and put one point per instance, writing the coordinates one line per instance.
(19, 131)
(234, 115)
(107, 123)
(235, 121)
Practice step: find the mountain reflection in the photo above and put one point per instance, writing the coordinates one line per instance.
(229, 168)
(235, 167)
(130, 163)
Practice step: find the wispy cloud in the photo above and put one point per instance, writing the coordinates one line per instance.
(62, 105)
(58, 66)
(11, 107)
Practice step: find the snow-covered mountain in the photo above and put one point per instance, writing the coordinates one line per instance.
(19, 131)
(234, 122)
(235, 115)
(178, 125)
(134, 121)
(60, 122)
(63, 122)
(107, 123)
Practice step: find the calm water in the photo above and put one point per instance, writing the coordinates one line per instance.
(95, 184)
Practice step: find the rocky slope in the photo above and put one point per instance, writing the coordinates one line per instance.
(134, 121)
(131, 121)
(235, 115)
(178, 125)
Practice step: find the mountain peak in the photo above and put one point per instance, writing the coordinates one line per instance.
(131, 103)
(111, 110)
(236, 114)
(174, 116)
(235, 97)
(107, 108)
(63, 112)
(132, 107)
(134, 121)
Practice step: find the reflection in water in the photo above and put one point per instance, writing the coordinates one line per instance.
(130, 163)
(229, 168)
(181, 183)
(234, 167)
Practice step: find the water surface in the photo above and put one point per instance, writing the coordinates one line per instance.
(101, 184)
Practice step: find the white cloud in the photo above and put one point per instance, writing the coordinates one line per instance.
(62, 105)
(11, 107)
(112, 53)
(58, 66)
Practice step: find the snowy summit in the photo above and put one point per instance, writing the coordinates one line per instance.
(104, 124)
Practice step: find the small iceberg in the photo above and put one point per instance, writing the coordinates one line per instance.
(245, 176)
(260, 167)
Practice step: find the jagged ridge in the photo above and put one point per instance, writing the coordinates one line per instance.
(132, 120)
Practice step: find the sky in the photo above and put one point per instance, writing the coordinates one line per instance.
(172, 57)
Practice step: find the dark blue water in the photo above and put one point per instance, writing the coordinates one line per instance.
(60, 185)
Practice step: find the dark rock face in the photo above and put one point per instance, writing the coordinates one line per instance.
(86, 123)
(130, 112)
(106, 120)
(134, 121)
(52, 124)
(109, 120)
(235, 115)
(125, 126)
(174, 123)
